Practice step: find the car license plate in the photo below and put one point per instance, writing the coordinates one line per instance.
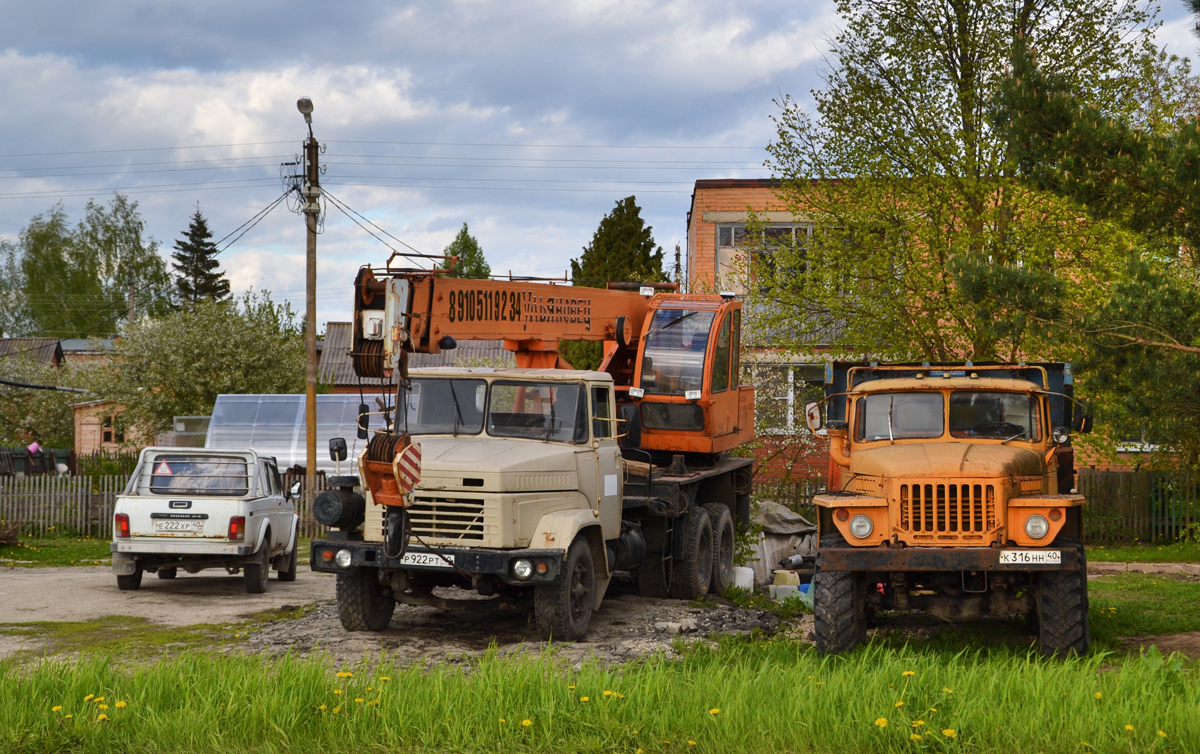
(428, 559)
(188, 527)
(1030, 557)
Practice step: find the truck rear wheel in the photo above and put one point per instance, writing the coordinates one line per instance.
(563, 610)
(362, 605)
(839, 605)
(723, 546)
(254, 575)
(1062, 608)
(693, 571)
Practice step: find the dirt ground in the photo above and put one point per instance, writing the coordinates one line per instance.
(626, 627)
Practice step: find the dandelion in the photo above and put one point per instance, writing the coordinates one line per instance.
(56, 708)
(881, 722)
(120, 705)
(1129, 728)
(322, 708)
(619, 696)
(526, 722)
(67, 717)
(914, 737)
(337, 709)
(103, 706)
(88, 698)
(101, 718)
(583, 698)
(1098, 695)
(715, 711)
(570, 688)
(503, 720)
(337, 691)
(900, 704)
(1161, 734)
(344, 674)
(372, 702)
(691, 743)
(950, 733)
(918, 723)
(385, 678)
(358, 699)
(607, 692)
(947, 691)
(98, 699)
(933, 709)
(908, 673)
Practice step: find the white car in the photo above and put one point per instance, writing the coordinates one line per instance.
(197, 508)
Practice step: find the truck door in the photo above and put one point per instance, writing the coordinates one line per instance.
(609, 479)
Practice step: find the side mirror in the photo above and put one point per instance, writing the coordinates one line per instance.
(294, 490)
(1081, 419)
(337, 449)
(812, 412)
(630, 417)
(364, 421)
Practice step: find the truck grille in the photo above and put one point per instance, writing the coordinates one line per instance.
(946, 512)
(459, 519)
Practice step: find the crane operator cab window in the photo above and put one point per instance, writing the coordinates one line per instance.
(673, 360)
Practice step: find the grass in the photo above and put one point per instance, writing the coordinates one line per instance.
(1187, 551)
(1135, 604)
(56, 551)
(734, 696)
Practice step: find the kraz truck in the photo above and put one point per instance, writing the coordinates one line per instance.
(950, 492)
(527, 488)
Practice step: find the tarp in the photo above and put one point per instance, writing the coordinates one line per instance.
(784, 533)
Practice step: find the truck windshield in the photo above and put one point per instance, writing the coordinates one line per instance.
(674, 354)
(538, 410)
(443, 406)
(994, 415)
(896, 416)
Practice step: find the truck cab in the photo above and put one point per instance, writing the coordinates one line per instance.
(949, 492)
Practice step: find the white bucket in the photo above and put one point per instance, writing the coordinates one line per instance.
(743, 577)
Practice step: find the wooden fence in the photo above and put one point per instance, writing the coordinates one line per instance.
(45, 506)
(1143, 506)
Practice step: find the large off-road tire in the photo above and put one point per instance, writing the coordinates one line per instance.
(168, 573)
(362, 605)
(254, 575)
(132, 581)
(1062, 607)
(723, 547)
(563, 610)
(839, 605)
(652, 578)
(288, 572)
(693, 570)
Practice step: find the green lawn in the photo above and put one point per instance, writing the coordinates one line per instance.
(56, 551)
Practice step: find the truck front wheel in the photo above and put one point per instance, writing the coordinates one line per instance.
(839, 605)
(1062, 608)
(563, 610)
(362, 605)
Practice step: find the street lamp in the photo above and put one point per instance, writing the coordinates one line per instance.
(311, 193)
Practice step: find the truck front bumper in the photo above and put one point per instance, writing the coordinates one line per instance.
(467, 561)
(886, 559)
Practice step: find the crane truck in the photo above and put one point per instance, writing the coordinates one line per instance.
(951, 492)
(527, 488)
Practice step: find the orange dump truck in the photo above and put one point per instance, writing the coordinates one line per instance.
(951, 492)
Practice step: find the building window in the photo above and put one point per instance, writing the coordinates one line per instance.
(112, 429)
(734, 241)
(782, 391)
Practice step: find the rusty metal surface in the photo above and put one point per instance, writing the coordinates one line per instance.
(883, 559)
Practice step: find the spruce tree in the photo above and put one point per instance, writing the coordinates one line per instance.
(622, 249)
(471, 263)
(199, 276)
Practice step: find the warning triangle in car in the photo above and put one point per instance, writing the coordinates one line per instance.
(163, 469)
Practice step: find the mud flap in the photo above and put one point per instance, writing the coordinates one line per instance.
(396, 534)
(123, 564)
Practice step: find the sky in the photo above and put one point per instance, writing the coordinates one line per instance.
(528, 120)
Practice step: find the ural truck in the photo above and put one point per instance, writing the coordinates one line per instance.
(950, 492)
(527, 488)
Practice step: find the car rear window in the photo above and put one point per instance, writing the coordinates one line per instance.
(199, 475)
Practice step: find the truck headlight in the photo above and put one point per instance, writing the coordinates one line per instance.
(861, 526)
(342, 558)
(522, 569)
(1036, 526)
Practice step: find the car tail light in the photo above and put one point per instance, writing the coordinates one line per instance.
(121, 523)
(237, 528)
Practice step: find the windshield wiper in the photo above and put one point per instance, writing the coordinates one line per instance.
(891, 437)
(457, 411)
(676, 321)
(550, 424)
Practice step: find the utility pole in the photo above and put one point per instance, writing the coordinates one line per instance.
(311, 195)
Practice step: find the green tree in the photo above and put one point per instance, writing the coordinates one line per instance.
(924, 245)
(471, 263)
(28, 414)
(622, 250)
(78, 281)
(198, 274)
(13, 309)
(177, 364)
(1142, 337)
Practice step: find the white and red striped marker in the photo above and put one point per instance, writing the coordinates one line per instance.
(408, 468)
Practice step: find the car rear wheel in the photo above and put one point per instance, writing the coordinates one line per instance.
(288, 572)
(255, 574)
(130, 582)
